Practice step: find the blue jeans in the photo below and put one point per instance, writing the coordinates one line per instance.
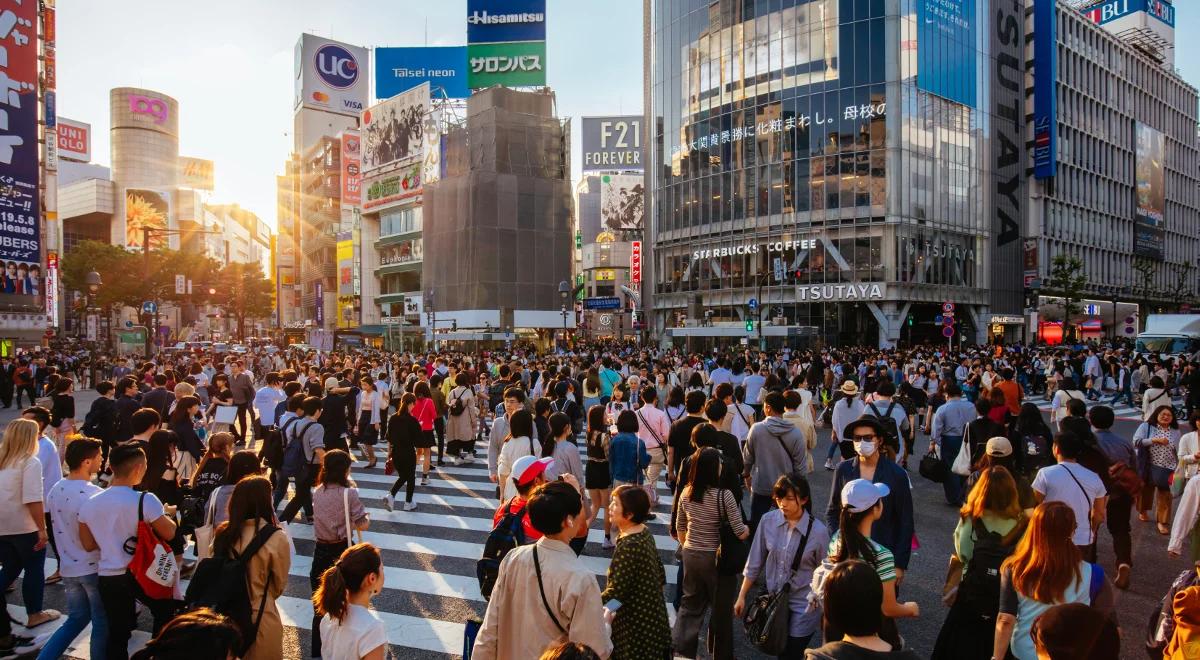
(16, 554)
(1126, 394)
(83, 606)
(952, 487)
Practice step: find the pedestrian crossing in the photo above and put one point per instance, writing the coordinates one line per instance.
(429, 555)
(1123, 410)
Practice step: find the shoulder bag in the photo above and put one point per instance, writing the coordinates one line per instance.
(768, 617)
(350, 531)
(731, 551)
(537, 566)
(962, 462)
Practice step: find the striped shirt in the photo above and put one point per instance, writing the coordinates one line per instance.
(884, 561)
(702, 520)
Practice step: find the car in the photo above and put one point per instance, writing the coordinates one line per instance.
(238, 349)
(220, 347)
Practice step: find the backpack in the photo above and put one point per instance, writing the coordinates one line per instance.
(980, 587)
(891, 430)
(222, 584)
(294, 459)
(457, 408)
(506, 535)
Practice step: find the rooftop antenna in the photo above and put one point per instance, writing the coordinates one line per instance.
(426, 30)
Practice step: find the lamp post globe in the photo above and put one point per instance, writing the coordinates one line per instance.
(93, 281)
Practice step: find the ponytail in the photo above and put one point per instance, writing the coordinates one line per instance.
(346, 576)
(851, 543)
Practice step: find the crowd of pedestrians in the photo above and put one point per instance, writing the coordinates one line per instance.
(168, 497)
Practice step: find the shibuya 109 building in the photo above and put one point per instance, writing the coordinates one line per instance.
(883, 172)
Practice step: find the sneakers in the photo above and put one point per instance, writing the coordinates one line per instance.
(389, 502)
(1122, 581)
(466, 459)
(410, 506)
(607, 544)
(425, 479)
(829, 464)
(21, 645)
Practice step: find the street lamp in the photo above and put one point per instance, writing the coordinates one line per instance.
(564, 290)
(93, 281)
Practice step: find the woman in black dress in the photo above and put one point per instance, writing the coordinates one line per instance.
(403, 435)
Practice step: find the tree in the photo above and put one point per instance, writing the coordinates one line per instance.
(1145, 287)
(1067, 281)
(244, 293)
(1182, 292)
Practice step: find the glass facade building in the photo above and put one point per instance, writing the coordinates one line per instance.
(840, 162)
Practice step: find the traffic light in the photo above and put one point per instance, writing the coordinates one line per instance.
(910, 320)
(749, 326)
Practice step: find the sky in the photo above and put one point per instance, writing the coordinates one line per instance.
(229, 64)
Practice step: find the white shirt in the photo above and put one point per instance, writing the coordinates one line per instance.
(265, 401)
(112, 518)
(63, 504)
(51, 466)
(19, 485)
(1055, 484)
(359, 633)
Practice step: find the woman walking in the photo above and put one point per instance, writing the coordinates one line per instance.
(846, 410)
(191, 448)
(518, 443)
(597, 476)
(351, 630)
(636, 579)
(370, 406)
(335, 501)
(425, 411)
(1157, 442)
(404, 432)
(559, 444)
(462, 421)
(23, 534)
(62, 412)
(250, 531)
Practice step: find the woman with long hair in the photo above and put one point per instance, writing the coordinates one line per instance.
(213, 464)
(403, 434)
(62, 412)
(335, 500)
(462, 428)
(252, 521)
(1032, 441)
(425, 411)
(597, 477)
(518, 443)
(561, 447)
(370, 406)
(591, 389)
(162, 478)
(992, 515)
(241, 465)
(183, 422)
(1157, 443)
(1045, 570)
(348, 626)
(23, 533)
(862, 505)
(703, 505)
(999, 453)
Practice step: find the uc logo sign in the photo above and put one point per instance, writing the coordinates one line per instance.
(336, 66)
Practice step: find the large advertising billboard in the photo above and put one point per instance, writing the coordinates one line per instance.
(394, 130)
(394, 187)
(74, 140)
(946, 51)
(514, 64)
(1113, 9)
(612, 143)
(1045, 74)
(195, 173)
(351, 168)
(1150, 174)
(345, 263)
(146, 209)
(622, 202)
(20, 235)
(331, 75)
(431, 148)
(443, 67)
(493, 21)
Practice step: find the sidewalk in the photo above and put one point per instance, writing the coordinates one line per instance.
(83, 403)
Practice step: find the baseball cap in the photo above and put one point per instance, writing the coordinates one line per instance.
(999, 446)
(331, 383)
(527, 468)
(860, 494)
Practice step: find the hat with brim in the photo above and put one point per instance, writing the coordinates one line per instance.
(527, 468)
(869, 422)
(999, 446)
(849, 388)
(861, 494)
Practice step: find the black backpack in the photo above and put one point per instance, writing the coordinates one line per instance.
(891, 430)
(980, 587)
(457, 408)
(222, 584)
(506, 535)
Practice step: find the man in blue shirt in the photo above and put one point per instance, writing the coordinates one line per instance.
(753, 382)
(1120, 503)
(609, 378)
(949, 424)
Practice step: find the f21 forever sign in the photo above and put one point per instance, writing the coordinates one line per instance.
(612, 143)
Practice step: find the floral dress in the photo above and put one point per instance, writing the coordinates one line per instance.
(636, 578)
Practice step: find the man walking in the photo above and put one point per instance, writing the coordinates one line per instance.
(241, 385)
(775, 447)
(1120, 502)
(949, 424)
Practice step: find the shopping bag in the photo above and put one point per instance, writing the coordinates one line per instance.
(962, 462)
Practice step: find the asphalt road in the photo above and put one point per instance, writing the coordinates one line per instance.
(935, 520)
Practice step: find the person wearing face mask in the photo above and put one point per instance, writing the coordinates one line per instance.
(894, 528)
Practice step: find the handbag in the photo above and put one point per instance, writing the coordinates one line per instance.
(1178, 480)
(962, 462)
(768, 617)
(350, 531)
(389, 467)
(204, 533)
(153, 564)
(732, 551)
(932, 467)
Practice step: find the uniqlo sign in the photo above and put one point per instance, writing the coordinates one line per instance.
(635, 263)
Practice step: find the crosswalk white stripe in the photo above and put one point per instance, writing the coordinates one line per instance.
(486, 487)
(82, 646)
(460, 501)
(407, 579)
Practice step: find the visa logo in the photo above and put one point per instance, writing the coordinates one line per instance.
(352, 105)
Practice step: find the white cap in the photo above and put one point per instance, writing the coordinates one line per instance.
(860, 494)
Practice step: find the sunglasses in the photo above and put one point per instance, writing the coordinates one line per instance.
(863, 438)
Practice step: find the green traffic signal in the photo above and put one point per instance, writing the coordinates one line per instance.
(749, 326)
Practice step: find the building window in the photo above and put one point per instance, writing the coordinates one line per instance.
(400, 221)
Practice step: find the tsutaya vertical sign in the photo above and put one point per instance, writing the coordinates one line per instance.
(1008, 145)
(635, 263)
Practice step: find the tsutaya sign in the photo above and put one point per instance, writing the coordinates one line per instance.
(839, 292)
(754, 248)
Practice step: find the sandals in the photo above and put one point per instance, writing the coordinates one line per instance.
(50, 615)
(1163, 529)
(53, 579)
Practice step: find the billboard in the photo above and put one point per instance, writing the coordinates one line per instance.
(946, 51)
(400, 69)
(394, 130)
(1150, 174)
(74, 140)
(345, 263)
(1114, 9)
(514, 64)
(393, 187)
(493, 21)
(612, 143)
(195, 173)
(319, 302)
(351, 168)
(1045, 74)
(431, 148)
(622, 201)
(20, 235)
(146, 209)
(330, 75)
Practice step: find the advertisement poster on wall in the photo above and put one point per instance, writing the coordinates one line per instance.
(51, 288)
(320, 304)
(612, 143)
(351, 168)
(622, 202)
(492, 21)
(20, 237)
(146, 209)
(946, 49)
(516, 64)
(345, 263)
(403, 184)
(401, 69)
(431, 148)
(394, 130)
(1149, 171)
(330, 75)
(195, 173)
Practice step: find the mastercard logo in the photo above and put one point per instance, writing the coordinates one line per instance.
(321, 96)
(366, 117)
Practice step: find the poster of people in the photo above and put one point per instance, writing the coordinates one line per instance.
(394, 130)
(622, 201)
(1151, 192)
(146, 209)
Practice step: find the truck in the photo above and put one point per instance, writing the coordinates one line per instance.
(1170, 335)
